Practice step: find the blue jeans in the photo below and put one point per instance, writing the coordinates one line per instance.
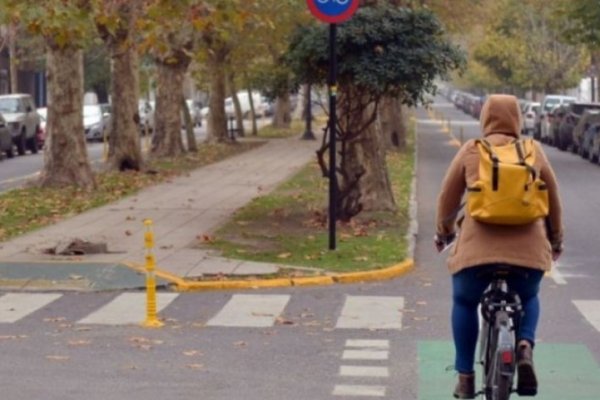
(467, 289)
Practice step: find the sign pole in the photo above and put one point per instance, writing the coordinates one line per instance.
(332, 12)
(332, 135)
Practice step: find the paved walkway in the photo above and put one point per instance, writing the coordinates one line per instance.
(182, 210)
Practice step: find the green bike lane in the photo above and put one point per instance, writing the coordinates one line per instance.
(567, 356)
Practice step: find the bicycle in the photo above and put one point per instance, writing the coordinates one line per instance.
(501, 310)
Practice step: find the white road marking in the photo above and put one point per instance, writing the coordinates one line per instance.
(365, 355)
(127, 308)
(590, 310)
(382, 344)
(364, 371)
(244, 310)
(371, 312)
(359, 390)
(14, 306)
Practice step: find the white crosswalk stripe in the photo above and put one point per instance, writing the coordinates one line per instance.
(127, 308)
(238, 310)
(590, 309)
(250, 311)
(371, 312)
(15, 306)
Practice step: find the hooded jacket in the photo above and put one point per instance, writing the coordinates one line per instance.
(479, 243)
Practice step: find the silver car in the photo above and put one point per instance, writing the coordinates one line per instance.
(6, 143)
(96, 121)
(23, 121)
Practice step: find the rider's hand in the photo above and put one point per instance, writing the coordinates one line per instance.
(441, 241)
(557, 250)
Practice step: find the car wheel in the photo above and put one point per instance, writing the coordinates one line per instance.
(22, 144)
(10, 153)
(32, 145)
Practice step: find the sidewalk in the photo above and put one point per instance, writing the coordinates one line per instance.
(182, 210)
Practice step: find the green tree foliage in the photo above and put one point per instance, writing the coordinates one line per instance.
(522, 47)
(383, 50)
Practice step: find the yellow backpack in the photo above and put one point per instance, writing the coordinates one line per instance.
(509, 190)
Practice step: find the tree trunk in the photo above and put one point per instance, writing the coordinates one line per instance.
(282, 119)
(393, 126)
(252, 113)
(65, 158)
(239, 117)
(189, 127)
(124, 144)
(217, 121)
(167, 141)
(12, 57)
(364, 174)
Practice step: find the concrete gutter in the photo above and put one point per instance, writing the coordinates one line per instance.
(190, 285)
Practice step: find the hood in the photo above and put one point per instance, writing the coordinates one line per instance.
(13, 117)
(501, 114)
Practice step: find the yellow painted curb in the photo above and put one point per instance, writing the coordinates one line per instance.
(376, 275)
(186, 285)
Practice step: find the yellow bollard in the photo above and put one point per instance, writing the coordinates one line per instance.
(152, 320)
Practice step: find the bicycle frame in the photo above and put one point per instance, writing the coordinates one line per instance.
(501, 311)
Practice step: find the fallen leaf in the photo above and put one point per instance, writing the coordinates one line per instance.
(57, 358)
(54, 319)
(195, 366)
(76, 277)
(283, 321)
(128, 233)
(79, 342)
(361, 258)
(240, 343)
(13, 337)
(191, 353)
(284, 255)
(421, 303)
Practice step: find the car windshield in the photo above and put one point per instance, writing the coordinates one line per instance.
(550, 104)
(91, 111)
(535, 109)
(9, 105)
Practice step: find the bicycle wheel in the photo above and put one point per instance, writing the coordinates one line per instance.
(503, 388)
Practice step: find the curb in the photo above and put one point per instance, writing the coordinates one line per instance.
(189, 285)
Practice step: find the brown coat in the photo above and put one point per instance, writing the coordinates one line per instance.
(479, 243)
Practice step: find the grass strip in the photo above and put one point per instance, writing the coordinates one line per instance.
(289, 225)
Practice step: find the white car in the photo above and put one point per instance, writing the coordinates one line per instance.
(549, 103)
(257, 102)
(96, 121)
(528, 121)
(23, 121)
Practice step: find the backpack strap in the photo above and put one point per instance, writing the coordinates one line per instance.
(519, 144)
(495, 162)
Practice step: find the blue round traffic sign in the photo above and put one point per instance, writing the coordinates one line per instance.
(332, 11)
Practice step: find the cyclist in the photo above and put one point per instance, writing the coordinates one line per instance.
(530, 248)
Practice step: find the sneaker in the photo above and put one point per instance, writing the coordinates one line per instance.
(465, 388)
(526, 380)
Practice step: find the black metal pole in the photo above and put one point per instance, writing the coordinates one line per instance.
(332, 134)
(308, 133)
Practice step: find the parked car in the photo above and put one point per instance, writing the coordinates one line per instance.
(41, 134)
(6, 143)
(194, 112)
(542, 131)
(528, 121)
(96, 121)
(146, 113)
(587, 142)
(574, 112)
(556, 118)
(588, 118)
(23, 121)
